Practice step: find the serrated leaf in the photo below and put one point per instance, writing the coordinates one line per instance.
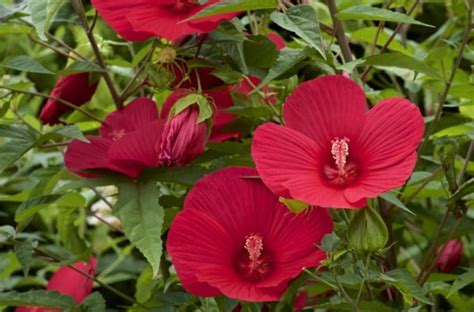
(303, 21)
(20, 139)
(407, 285)
(25, 63)
(9, 12)
(401, 61)
(465, 189)
(142, 218)
(228, 6)
(93, 303)
(391, 198)
(368, 13)
(42, 12)
(467, 278)
(288, 59)
(24, 252)
(259, 52)
(39, 298)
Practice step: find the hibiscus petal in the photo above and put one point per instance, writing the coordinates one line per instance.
(290, 165)
(376, 181)
(82, 157)
(114, 13)
(224, 278)
(392, 131)
(135, 115)
(69, 282)
(138, 149)
(326, 108)
(254, 199)
(196, 239)
(173, 24)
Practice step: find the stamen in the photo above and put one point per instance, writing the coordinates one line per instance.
(340, 151)
(117, 134)
(254, 246)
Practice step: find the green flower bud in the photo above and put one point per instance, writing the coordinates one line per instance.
(367, 231)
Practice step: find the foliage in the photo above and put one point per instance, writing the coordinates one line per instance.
(420, 50)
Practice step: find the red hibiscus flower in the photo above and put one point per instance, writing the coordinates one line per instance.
(449, 255)
(136, 137)
(141, 19)
(235, 238)
(75, 89)
(68, 281)
(331, 152)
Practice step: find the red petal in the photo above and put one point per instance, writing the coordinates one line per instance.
(224, 278)
(82, 157)
(195, 238)
(75, 89)
(387, 148)
(326, 108)
(114, 12)
(139, 149)
(172, 23)
(392, 131)
(135, 115)
(69, 282)
(219, 213)
(291, 165)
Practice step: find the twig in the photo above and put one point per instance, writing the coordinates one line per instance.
(466, 163)
(63, 102)
(341, 37)
(367, 70)
(79, 9)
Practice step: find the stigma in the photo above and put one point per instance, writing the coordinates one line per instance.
(341, 172)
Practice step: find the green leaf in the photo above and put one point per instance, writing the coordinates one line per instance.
(31, 206)
(368, 35)
(7, 232)
(228, 6)
(25, 63)
(93, 303)
(68, 233)
(39, 298)
(42, 12)
(205, 109)
(259, 52)
(20, 139)
(287, 60)
(400, 61)
(303, 21)
(145, 285)
(11, 12)
(465, 279)
(142, 218)
(69, 132)
(404, 281)
(24, 252)
(330, 242)
(391, 198)
(81, 67)
(368, 13)
(465, 189)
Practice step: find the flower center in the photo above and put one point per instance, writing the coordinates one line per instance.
(341, 172)
(253, 264)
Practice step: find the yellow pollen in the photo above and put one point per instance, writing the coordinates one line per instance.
(340, 151)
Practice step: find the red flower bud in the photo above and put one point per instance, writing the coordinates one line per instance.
(449, 255)
(75, 89)
(68, 281)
